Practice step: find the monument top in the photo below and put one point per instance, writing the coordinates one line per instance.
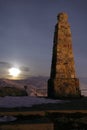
(62, 17)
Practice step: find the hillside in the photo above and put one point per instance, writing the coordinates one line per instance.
(39, 82)
(11, 91)
(35, 86)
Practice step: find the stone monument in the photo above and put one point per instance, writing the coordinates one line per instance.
(63, 81)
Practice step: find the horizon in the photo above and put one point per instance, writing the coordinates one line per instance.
(82, 81)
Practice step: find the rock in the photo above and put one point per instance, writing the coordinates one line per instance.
(12, 91)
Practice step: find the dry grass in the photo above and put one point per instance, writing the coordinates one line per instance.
(38, 126)
(41, 113)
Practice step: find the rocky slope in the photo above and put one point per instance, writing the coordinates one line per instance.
(34, 86)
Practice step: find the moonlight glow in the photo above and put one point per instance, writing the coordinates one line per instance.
(14, 72)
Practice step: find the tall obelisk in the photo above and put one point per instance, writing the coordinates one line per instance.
(63, 81)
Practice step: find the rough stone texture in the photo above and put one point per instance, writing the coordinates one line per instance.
(63, 81)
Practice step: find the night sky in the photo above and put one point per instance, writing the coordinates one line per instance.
(26, 35)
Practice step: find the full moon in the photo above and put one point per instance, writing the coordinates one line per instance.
(14, 72)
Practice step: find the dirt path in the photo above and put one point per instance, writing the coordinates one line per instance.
(42, 113)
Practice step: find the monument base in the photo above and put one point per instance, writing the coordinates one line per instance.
(63, 87)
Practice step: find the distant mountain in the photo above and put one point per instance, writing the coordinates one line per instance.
(10, 83)
(39, 82)
(35, 86)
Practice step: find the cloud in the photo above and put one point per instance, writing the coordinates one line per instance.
(4, 66)
(25, 69)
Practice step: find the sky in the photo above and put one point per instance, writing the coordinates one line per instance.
(27, 30)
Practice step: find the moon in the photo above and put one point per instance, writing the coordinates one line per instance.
(14, 72)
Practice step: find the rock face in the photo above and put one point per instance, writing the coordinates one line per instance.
(63, 81)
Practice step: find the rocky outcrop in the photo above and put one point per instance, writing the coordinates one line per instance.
(11, 91)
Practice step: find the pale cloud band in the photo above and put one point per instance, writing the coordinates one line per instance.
(4, 67)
